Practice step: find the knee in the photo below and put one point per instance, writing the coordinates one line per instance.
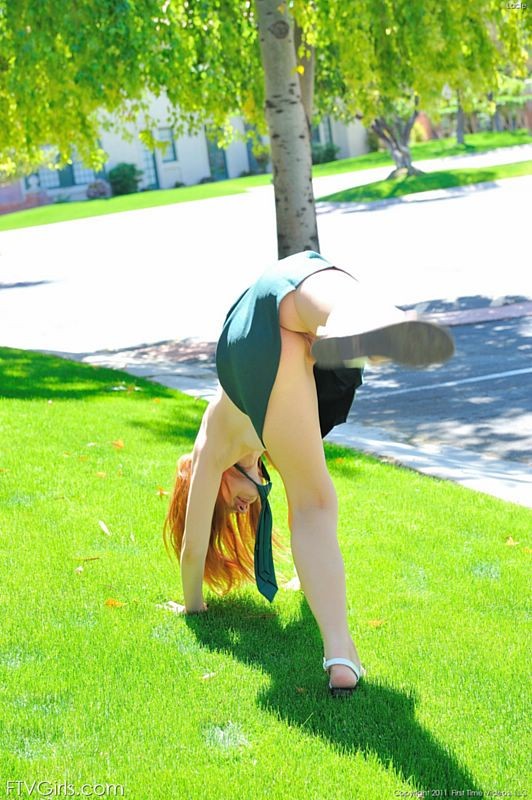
(314, 499)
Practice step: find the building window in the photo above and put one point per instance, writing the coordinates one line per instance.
(217, 161)
(150, 178)
(48, 178)
(169, 153)
(316, 134)
(81, 174)
(322, 134)
(73, 174)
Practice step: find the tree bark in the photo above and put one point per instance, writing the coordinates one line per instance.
(396, 136)
(289, 132)
(460, 121)
(496, 118)
(306, 80)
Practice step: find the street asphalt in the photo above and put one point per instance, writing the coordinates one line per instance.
(97, 289)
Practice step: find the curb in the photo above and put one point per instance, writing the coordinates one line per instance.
(505, 480)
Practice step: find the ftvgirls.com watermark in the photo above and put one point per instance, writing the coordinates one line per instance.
(56, 789)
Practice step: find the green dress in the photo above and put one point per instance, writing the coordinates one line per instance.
(249, 348)
(247, 360)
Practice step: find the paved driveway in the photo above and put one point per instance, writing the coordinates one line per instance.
(171, 272)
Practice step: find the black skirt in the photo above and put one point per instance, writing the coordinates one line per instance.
(336, 390)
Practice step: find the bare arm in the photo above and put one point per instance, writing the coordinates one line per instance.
(204, 486)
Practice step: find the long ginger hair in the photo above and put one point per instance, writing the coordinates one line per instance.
(230, 554)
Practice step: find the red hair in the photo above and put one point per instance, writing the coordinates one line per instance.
(230, 555)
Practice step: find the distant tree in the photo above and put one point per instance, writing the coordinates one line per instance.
(504, 107)
(65, 68)
(387, 61)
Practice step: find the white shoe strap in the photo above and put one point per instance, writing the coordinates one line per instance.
(345, 661)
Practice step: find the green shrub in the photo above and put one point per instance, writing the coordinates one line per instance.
(322, 153)
(124, 179)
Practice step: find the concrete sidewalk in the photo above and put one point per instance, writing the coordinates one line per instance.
(188, 365)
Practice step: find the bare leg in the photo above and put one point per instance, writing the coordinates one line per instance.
(292, 437)
(353, 322)
(320, 568)
(331, 294)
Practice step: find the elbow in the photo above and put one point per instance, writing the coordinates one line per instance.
(191, 556)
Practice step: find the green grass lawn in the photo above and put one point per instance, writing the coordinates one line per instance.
(61, 212)
(233, 703)
(398, 187)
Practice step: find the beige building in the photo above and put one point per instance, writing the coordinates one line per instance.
(185, 159)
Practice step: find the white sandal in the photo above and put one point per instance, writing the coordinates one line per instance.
(343, 691)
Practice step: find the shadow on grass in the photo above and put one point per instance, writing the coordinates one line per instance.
(181, 428)
(375, 202)
(27, 375)
(377, 719)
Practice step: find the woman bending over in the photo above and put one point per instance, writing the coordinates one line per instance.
(289, 360)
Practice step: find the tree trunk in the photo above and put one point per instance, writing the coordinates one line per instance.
(289, 132)
(306, 80)
(396, 137)
(496, 121)
(496, 117)
(460, 121)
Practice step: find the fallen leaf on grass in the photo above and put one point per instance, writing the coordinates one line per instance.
(78, 569)
(208, 675)
(118, 443)
(101, 474)
(177, 608)
(83, 458)
(300, 689)
(376, 623)
(104, 527)
(511, 542)
(527, 550)
(112, 603)
(161, 492)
